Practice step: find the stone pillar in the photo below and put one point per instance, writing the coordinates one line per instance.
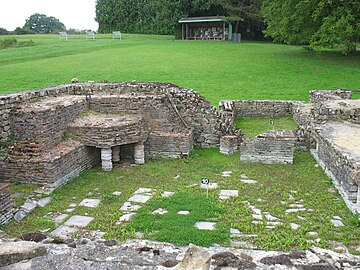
(229, 144)
(139, 153)
(106, 159)
(116, 154)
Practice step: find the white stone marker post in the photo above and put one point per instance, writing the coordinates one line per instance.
(106, 155)
(139, 153)
(116, 154)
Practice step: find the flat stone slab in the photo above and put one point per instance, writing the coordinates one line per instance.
(126, 217)
(226, 194)
(226, 173)
(78, 221)
(117, 193)
(129, 207)
(63, 232)
(205, 225)
(45, 201)
(294, 226)
(92, 203)
(210, 186)
(61, 218)
(72, 205)
(138, 198)
(183, 212)
(160, 211)
(143, 190)
(248, 181)
(337, 223)
(167, 194)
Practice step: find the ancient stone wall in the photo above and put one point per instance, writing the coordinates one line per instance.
(40, 126)
(258, 108)
(317, 96)
(54, 167)
(5, 204)
(273, 147)
(338, 110)
(35, 125)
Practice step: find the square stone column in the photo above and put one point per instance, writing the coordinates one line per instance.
(106, 159)
(116, 154)
(229, 144)
(139, 155)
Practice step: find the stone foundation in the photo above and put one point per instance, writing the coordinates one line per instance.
(6, 213)
(273, 147)
(229, 144)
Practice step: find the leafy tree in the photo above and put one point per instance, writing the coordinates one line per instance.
(326, 23)
(3, 31)
(40, 23)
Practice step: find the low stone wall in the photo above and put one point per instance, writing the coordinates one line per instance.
(54, 167)
(273, 147)
(338, 110)
(6, 213)
(340, 159)
(258, 108)
(317, 96)
(170, 145)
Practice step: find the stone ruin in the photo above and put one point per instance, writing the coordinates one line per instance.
(328, 126)
(48, 136)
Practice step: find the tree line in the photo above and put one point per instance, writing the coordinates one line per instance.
(317, 23)
(161, 16)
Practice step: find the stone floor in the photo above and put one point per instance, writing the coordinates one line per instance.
(68, 225)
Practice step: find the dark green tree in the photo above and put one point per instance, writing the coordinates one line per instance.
(40, 23)
(3, 31)
(323, 23)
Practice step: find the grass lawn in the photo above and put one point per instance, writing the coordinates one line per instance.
(217, 70)
(255, 126)
(305, 182)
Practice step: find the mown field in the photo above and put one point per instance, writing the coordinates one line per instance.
(217, 70)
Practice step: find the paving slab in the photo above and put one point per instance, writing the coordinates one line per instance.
(78, 221)
(205, 225)
(337, 223)
(61, 218)
(45, 201)
(183, 212)
(143, 190)
(129, 207)
(210, 186)
(294, 226)
(138, 198)
(69, 210)
(72, 205)
(92, 203)
(167, 194)
(248, 181)
(63, 232)
(126, 217)
(226, 194)
(160, 211)
(117, 193)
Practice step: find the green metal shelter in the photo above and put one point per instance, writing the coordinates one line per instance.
(206, 28)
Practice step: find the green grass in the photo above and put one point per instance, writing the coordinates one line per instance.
(217, 70)
(255, 126)
(275, 182)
